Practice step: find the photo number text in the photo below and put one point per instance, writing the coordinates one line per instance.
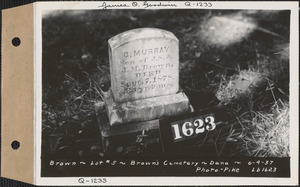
(190, 128)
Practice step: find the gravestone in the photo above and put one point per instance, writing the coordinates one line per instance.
(144, 63)
(144, 67)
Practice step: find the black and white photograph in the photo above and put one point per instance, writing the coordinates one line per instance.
(165, 91)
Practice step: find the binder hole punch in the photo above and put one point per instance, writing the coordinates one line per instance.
(15, 145)
(16, 41)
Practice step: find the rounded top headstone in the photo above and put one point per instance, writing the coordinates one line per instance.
(144, 63)
(140, 33)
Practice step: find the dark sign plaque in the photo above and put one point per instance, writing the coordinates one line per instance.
(179, 129)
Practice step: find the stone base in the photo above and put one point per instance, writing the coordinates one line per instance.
(107, 130)
(112, 134)
(146, 109)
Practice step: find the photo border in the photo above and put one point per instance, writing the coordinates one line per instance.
(294, 100)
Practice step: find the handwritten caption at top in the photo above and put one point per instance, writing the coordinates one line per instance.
(146, 4)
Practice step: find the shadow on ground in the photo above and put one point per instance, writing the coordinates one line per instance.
(233, 59)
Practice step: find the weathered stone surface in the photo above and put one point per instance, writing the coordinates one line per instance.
(144, 63)
(144, 67)
(112, 135)
(107, 130)
(146, 109)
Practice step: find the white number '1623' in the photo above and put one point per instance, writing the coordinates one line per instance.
(199, 126)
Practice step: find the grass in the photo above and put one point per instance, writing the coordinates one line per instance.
(249, 76)
(266, 134)
(259, 101)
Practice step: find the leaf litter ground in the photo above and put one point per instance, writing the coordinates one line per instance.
(233, 59)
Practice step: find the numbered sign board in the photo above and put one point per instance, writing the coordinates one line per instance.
(177, 130)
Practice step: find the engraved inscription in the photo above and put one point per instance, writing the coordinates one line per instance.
(144, 68)
(151, 51)
(148, 76)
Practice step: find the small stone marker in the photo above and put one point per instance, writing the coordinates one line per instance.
(144, 67)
